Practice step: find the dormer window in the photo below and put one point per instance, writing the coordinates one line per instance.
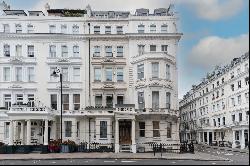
(141, 28)
(18, 28)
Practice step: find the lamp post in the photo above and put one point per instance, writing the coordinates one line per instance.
(57, 73)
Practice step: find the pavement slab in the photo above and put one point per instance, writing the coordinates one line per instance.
(167, 156)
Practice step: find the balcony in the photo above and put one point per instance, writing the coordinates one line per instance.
(125, 108)
(166, 111)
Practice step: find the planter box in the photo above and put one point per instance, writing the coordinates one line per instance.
(64, 149)
(2, 149)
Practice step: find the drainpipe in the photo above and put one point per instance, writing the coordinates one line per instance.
(89, 131)
(89, 67)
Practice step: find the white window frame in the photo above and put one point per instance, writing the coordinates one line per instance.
(30, 74)
(6, 77)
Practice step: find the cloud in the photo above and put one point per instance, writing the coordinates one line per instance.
(214, 50)
(206, 9)
(215, 9)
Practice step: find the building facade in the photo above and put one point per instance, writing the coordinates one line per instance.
(119, 76)
(218, 108)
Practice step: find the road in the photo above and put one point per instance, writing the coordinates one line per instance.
(235, 158)
(113, 162)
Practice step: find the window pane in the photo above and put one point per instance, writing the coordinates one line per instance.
(6, 49)
(103, 129)
(98, 100)
(155, 99)
(140, 71)
(155, 70)
(97, 72)
(76, 51)
(120, 74)
(68, 128)
(53, 101)
(152, 47)
(76, 101)
(65, 102)
(168, 102)
(30, 51)
(141, 100)
(109, 73)
(52, 51)
(76, 74)
(31, 74)
(6, 75)
(18, 73)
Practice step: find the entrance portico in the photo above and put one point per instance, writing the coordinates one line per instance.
(125, 132)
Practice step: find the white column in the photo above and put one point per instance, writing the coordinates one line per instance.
(233, 145)
(14, 131)
(22, 133)
(117, 136)
(213, 136)
(46, 132)
(133, 136)
(199, 135)
(28, 138)
(11, 133)
(208, 138)
(74, 130)
(242, 143)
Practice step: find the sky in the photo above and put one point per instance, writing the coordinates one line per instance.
(214, 31)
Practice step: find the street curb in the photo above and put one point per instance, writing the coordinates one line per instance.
(156, 158)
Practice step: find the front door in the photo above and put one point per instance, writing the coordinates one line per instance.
(125, 132)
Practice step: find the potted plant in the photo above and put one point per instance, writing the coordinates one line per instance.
(54, 146)
(68, 146)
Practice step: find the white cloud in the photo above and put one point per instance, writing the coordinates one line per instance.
(215, 9)
(205, 9)
(214, 50)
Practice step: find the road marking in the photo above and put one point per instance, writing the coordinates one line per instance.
(53, 162)
(173, 162)
(109, 161)
(213, 163)
(128, 161)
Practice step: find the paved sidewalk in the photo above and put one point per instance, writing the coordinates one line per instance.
(167, 156)
(224, 148)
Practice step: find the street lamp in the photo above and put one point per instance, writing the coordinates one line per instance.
(57, 73)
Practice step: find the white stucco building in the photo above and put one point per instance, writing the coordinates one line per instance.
(218, 108)
(119, 73)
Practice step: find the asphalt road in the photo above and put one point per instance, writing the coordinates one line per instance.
(112, 162)
(236, 158)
